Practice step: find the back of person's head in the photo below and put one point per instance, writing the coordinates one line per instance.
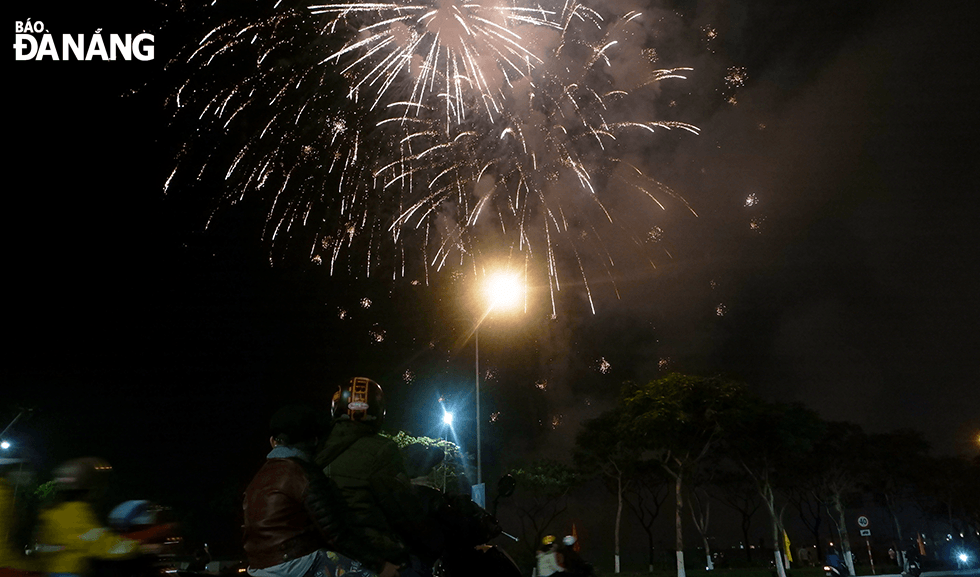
(295, 425)
(82, 479)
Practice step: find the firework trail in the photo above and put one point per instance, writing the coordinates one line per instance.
(463, 54)
(462, 130)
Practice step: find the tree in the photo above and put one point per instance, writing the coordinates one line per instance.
(898, 462)
(700, 507)
(839, 470)
(954, 484)
(768, 443)
(971, 502)
(645, 496)
(808, 508)
(677, 420)
(541, 497)
(737, 490)
(438, 460)
(600, 448)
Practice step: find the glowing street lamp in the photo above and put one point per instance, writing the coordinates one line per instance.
(447, 418)
(501, 290)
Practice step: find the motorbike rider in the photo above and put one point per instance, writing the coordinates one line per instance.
(549, 558)
(913, 559)
(406, 524)
(574, 564)
(369, 470)
(296, 520)
(70, 535)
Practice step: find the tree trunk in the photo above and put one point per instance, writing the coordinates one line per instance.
(769, 498)
(700, 514)
(745, 540)
(845, 541)
(899, 544)
(709, 564)
(619, 515)
(679, 526)
(778, 543)
(780, 566)
(650, 545)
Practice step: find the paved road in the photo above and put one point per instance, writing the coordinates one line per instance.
(957, 572)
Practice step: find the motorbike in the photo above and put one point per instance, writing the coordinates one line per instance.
(462, 531)
(835, 567)
(149, 524)
(835, 571)
(454, 536)
(913, 566)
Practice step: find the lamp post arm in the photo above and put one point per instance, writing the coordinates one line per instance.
(17, 418)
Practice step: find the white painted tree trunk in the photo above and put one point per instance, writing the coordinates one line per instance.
(780, 567)
(678, 527)
(619, 515)
(844, 537)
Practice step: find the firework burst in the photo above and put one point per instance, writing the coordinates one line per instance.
(462, 54)
(458, 129)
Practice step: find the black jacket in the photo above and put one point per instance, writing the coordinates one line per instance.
(370, 472)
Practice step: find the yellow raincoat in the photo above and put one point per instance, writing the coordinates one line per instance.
(70, 534)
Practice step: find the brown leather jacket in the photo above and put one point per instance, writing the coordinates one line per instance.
(292, 509)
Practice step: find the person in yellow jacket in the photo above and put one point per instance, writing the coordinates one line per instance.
(70, 535)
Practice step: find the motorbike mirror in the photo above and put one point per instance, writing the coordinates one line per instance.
(506, 485)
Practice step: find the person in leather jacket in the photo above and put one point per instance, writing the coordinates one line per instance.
(297, 523)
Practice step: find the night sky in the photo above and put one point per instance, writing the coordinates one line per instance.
(832, 262)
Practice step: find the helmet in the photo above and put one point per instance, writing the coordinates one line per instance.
(548, 540)
(359, 400)
(569, 540)
(84, 474)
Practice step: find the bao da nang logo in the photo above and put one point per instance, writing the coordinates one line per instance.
(33, 42)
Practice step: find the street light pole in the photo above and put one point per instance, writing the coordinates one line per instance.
(479, 453)
(502, 288)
